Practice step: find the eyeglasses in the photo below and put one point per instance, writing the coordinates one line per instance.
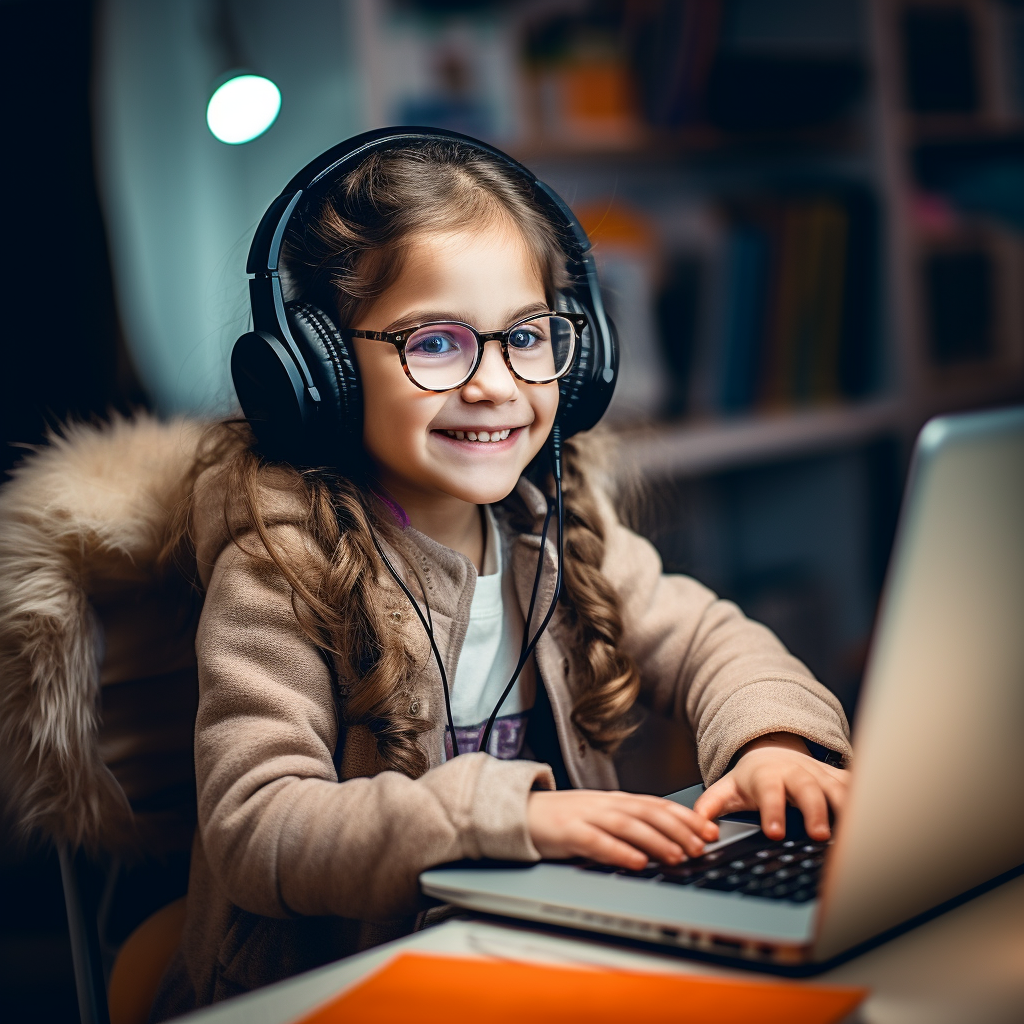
(443, 355)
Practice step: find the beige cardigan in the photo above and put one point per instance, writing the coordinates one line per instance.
(291, 869)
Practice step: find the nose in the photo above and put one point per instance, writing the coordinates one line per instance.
(492, 382)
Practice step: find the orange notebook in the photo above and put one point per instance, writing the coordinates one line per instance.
(424, 989)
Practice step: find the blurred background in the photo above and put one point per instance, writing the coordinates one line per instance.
(808, 215)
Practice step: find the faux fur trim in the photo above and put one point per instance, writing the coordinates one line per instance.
(91, 506)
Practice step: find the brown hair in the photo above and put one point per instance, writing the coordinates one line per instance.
(342, 257)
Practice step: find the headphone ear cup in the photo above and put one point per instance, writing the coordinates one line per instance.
(586, 390)
(272, 393)
(335, 373)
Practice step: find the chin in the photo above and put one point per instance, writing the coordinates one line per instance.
(482, 492)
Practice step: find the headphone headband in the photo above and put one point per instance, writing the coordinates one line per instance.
(320, 173)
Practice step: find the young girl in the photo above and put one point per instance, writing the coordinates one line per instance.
(325, 768)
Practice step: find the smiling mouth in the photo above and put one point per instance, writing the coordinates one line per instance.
(485, 436)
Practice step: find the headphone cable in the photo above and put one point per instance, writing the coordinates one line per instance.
(556, 459)
(528, 647)
(430, 636)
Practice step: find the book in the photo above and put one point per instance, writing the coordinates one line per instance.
(428, 989)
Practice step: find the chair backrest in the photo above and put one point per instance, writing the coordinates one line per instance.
(98, 684)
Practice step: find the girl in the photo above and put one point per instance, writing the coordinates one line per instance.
(325, 768)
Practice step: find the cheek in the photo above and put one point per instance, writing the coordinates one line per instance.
(544, 400)
(394, 410)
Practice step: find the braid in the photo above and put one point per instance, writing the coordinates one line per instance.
(609, 680)
(374, 663)
(337, 582)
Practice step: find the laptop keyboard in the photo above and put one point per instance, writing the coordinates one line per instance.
(757, 866)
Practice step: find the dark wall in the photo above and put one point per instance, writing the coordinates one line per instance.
(62, 351)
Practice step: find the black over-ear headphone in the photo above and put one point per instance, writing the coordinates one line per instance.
(297, 381)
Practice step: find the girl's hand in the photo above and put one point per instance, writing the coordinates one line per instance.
(625, 829)
(771, 771)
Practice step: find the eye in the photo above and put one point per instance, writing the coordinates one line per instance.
(525, 336)
(432, 343)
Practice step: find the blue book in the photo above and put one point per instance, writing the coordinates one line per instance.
(743, 320)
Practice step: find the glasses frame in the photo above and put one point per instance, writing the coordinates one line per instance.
(399, 339)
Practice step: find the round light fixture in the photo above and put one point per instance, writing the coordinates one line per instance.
(243, 108)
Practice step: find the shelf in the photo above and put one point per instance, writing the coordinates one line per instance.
(696, 449)
(699, 141)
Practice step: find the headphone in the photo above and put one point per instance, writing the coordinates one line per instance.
(298, 383)
(297, 380)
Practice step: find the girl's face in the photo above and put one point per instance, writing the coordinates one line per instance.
(483, 276)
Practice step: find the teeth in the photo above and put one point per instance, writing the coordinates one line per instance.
(482, 435)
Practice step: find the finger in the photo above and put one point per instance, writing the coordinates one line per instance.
(680, 823)
(723, 797)
(690, 831)
(593, 842)
(807, 794)
(770, 799)
(639, 834)
(836, 792)
(695, 822)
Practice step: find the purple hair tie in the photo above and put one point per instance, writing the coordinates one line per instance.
(395, 509)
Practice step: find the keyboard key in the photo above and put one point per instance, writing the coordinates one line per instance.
(802, 895)
(730, 883)
(606, 869)
(651, 871)
(674, 878)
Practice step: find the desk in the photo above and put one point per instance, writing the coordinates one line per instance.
(963, 967)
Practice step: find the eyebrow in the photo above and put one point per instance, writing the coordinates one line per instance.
(422, 316)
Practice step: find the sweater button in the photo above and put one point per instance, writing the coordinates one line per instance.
(396, 616)
(582, 749)
(414, 708)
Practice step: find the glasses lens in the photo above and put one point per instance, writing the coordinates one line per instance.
(441, 355)
(542, 349)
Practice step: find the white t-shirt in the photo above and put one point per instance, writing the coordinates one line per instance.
(489, 656)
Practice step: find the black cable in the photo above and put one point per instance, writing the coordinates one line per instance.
(556, 461)
(555, 450)
(430, 636)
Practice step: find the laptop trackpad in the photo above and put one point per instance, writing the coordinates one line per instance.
(730, 832)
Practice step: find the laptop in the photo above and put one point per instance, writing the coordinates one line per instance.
(937, 792)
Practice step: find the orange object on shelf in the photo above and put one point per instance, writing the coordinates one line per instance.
(429, 989)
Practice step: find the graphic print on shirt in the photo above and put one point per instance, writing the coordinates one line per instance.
(488, 658)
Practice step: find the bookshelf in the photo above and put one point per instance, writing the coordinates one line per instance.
(696, 449)
(737, 236)
(956, 301)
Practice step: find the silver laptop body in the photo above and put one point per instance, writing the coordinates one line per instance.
(937, 797)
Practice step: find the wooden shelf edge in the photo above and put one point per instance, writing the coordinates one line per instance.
(696, 449)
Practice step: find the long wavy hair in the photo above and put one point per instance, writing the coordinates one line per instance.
(341, 258)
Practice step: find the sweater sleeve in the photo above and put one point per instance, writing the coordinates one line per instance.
(701, 658)
(281, 834)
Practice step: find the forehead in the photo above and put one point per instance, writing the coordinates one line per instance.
(495, 256)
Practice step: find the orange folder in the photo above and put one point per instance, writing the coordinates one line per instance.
(425, 989)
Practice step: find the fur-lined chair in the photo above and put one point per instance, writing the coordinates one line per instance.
(98, 686)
